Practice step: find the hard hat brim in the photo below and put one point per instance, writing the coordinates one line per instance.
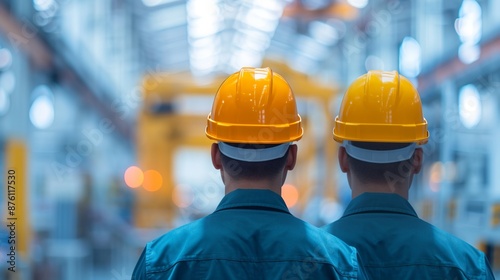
(388, 133)
(254, 134)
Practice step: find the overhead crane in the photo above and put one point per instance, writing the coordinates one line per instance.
(162, 129)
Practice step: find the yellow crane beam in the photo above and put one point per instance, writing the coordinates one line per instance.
(162, 130)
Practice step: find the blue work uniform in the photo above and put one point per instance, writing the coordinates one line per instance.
(395, 244)
(251, 235)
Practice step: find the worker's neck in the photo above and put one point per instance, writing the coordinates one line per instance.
(401, 188)
(262, 184)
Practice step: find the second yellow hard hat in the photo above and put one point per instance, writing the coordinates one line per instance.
(381, 106)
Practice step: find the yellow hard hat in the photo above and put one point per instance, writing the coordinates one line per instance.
(254, 106)
(381, 106)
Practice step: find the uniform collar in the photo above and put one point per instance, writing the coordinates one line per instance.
(379, 202)
(252, 199)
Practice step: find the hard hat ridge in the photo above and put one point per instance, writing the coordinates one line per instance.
(381, 106)
(254, 106)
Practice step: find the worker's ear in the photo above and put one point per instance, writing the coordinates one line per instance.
(291, 158)
(215, 153)
(343, 161)
(417, 160)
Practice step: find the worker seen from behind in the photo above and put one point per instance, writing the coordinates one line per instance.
(251, 234)
(381, 128)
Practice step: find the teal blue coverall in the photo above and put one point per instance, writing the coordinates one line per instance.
(251, 235)
(395, 244)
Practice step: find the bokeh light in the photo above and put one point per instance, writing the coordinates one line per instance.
(4, 102)
(8, 81)
(290, 194)
(469, 106)
(134, 177)
(152, 180)
(409, 57)
(43, 5)
(42, 112)
(5, 58)
(468, 53)
(358, 3)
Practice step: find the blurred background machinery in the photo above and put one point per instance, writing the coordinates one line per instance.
(103, 107)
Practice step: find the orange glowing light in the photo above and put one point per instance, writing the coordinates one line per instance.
(152, 180)
(133, 177)
(290, 194)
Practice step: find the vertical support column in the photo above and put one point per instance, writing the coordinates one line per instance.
(493, 193)
(429, 29)
(491, 21)
(330, 184)
(17, 119)
(156, 141)
(494, 180)
(16, 203)
(445, 141)
(16, 128)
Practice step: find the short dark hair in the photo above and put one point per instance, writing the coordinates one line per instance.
(247, 170)
(380, 172)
